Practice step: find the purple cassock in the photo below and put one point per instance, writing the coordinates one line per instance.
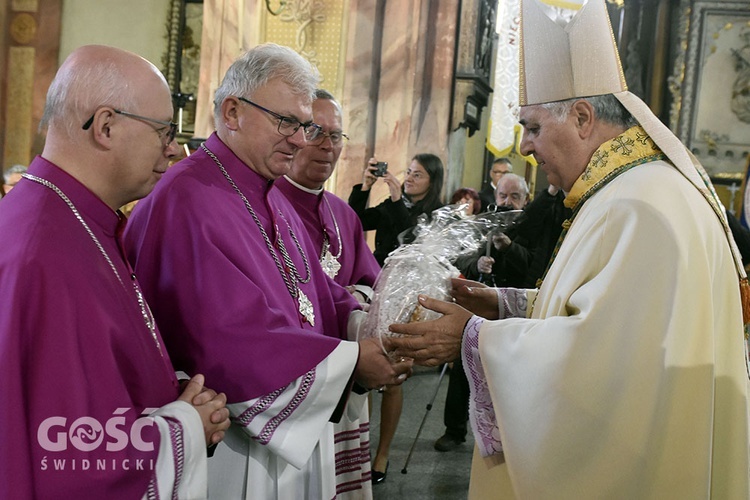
(326, 212)
(78, 363)
(218, 296)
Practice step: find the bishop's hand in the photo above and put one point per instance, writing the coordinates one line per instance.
(476, 297)
(431, 343)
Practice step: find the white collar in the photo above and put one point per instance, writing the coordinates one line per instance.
(303, 188)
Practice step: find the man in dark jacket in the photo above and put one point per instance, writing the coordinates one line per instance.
(500, 167)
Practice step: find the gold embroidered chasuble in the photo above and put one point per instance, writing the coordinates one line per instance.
(628, 380)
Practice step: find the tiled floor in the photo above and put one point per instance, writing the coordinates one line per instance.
(431, 474)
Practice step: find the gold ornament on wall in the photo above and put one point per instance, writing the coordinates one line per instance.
(23, 28)
(313, 28)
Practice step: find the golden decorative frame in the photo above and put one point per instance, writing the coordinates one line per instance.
(721, 145)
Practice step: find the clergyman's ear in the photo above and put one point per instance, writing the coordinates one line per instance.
(101, 126)
(583, 113)
(229, 112)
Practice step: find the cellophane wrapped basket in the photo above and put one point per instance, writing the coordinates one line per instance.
(424, 266)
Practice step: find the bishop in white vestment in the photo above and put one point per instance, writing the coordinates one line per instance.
(625, 374)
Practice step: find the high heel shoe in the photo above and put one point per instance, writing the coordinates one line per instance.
(379, 477)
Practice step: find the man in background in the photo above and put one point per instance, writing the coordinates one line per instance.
(500, 167)
(335, 230)
(508, 259)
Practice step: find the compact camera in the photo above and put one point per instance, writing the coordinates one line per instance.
(381, 168)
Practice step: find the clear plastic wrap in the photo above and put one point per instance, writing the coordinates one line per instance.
(424, 266)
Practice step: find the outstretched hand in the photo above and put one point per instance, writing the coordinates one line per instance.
(431, 343)
(476, 297)
(210, 406)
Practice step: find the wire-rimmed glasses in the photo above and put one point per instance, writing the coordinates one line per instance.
(336, 138)
(288, 126)
(168, 130)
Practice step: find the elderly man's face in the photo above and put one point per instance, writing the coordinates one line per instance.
(510, 194)
(554, 145)
(314, 163)
(498, 171)
(262, 146)
(139, 168)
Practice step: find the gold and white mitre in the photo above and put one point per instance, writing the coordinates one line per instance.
(561, 60)
(579, 59)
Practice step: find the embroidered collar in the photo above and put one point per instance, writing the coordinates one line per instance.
(629, 149)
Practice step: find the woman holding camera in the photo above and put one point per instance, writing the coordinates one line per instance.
(419, 194)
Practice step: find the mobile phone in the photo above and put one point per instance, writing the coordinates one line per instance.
(381, 168)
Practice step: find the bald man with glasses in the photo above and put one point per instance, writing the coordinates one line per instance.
(91, 404)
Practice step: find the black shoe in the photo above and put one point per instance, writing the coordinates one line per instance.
(446, 442)
(379, 477)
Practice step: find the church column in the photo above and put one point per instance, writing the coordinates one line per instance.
(29, 62)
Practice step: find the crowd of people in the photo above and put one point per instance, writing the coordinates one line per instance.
(212, 344)
(392, 220)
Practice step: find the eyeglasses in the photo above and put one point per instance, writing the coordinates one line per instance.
(289, 126)
(168, 131)
(335, 137)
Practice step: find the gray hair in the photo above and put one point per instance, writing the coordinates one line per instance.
(78, 89)
(518, 179)
(15, 169)
(260, 64)
(324, 94)
(606, 108)
(505, 160)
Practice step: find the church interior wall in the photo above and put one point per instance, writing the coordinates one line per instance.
(136, 25)
(399, 97)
